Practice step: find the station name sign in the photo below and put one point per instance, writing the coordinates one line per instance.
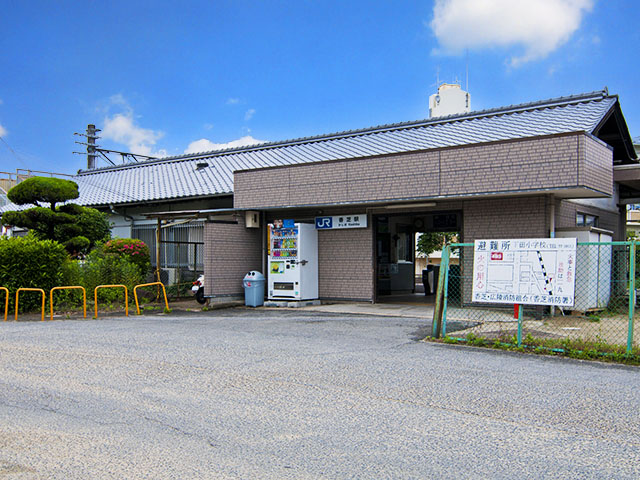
(540, 271)
(342, 221)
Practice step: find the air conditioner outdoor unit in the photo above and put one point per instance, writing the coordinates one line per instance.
(169, 276)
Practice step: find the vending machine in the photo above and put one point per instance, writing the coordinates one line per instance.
(293, 261)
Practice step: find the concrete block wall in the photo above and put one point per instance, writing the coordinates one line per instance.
(596, 164)
(345, 260)
(512, 217)
(517, 217)
(231, 250)
(526, 165)
(566, 211)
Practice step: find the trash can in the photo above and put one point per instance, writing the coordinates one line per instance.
(436, 278)
(425, 279)
(253, 284)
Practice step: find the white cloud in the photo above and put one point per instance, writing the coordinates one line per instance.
(121, 128)
(208, 126)
(249, 114)
(537, 26)
(3, 131)
(233, 101)
(204, 145)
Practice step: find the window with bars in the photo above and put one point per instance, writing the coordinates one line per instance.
(182, 246)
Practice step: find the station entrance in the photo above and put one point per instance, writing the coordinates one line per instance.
(407, 253)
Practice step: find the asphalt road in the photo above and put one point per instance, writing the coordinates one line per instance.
(277, 395)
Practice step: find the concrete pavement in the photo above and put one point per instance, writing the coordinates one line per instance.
(245, 393)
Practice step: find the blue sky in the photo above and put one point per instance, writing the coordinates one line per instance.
(162, 78)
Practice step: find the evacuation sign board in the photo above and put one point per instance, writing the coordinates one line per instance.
(538, 271)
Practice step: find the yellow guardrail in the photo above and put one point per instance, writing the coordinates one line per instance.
(84, 297)
(126, 297)
(135, 294)
(44, 296)
(6, 302)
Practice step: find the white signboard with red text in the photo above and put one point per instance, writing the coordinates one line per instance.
(539, 271)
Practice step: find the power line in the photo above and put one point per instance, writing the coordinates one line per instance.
(13, 151)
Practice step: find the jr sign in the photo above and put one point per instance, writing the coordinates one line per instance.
(537, 271)
(342, 221)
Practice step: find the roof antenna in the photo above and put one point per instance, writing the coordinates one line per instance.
(467, 72)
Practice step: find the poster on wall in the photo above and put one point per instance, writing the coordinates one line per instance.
(537, 271)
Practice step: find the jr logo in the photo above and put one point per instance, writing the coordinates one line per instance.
(324, 222)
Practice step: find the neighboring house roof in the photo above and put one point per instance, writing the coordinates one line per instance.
(186, 176)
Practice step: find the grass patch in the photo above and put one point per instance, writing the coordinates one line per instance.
(567, 347)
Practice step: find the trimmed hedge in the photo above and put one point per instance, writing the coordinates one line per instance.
(30, 263)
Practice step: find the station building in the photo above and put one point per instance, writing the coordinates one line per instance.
(516, 172)
(520, 171)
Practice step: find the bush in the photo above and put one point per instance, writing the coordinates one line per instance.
(31, 263)
(100, 268)
(134, 250)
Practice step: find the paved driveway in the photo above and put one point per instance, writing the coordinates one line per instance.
(264, 394)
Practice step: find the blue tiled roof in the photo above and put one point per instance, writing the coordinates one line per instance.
(183, 176)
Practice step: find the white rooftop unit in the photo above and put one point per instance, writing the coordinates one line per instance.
(449, 100)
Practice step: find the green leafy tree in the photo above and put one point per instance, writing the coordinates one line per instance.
(77, 228)
(37, 190)
(434, 241)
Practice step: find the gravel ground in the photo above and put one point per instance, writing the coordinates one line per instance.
(286, 394)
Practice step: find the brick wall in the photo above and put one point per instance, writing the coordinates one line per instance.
(516, 217)
(521, 165)
(597, 164)
(607, 220)
(230, 251)
(345, 264)
(502, 167)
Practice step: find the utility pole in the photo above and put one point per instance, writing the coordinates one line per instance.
(94, 151)
(91, 146)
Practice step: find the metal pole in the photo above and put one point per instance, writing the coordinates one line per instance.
(552, 234)
(520, 309)
(158, 236)
(439, 307)
(446, 298)
(632, 293)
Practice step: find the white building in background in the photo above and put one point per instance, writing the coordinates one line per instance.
(450, 100)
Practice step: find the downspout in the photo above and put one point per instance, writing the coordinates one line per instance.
(552, 218)
(126, 217)
(264, 240)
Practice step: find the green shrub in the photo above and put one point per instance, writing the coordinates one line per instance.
(71, 276)
(30, 263)
(134, 250)
(100, 268)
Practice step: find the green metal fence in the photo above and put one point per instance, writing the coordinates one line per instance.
(602, 319)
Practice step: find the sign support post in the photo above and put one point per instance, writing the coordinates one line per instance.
(520, 309)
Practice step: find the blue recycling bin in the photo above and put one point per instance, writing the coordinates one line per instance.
(253, 284)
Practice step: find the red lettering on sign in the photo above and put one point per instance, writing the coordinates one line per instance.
(496, 255)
